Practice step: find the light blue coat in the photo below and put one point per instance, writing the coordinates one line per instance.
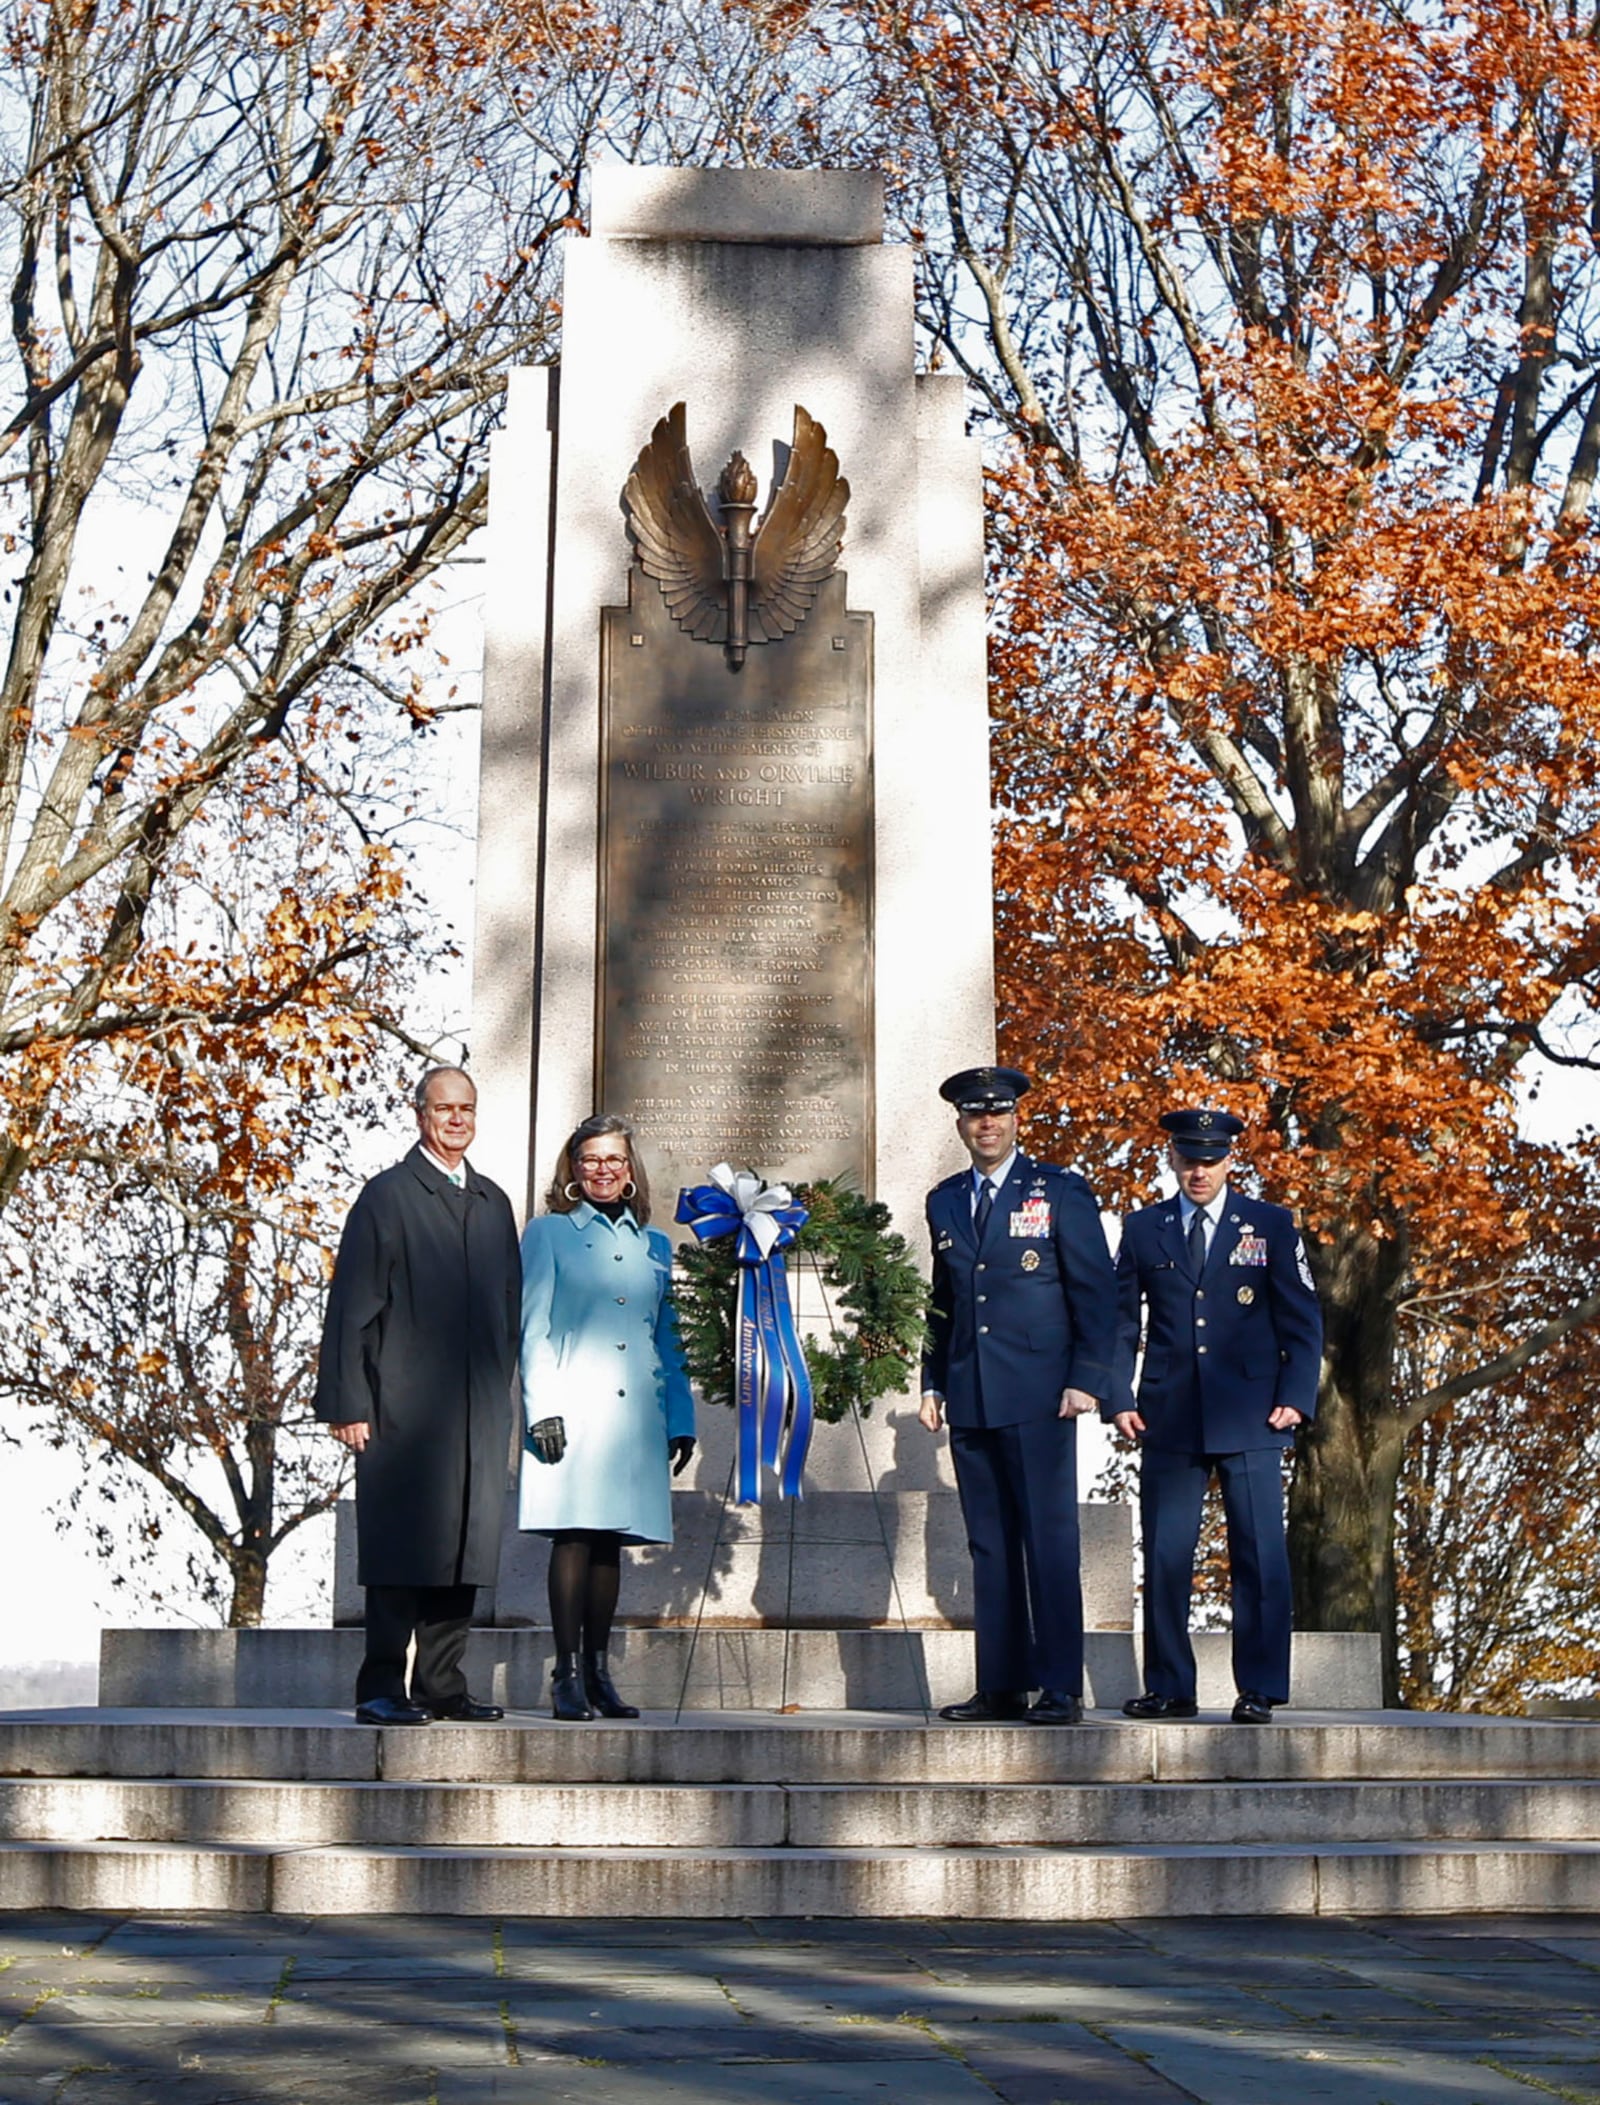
(600, 1351)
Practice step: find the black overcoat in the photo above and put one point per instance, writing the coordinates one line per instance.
(419, 1342)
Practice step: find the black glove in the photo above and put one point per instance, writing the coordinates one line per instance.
(681, 1450)
(548, 1439)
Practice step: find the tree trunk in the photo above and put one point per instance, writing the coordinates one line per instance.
(1342, 1503)
(247, 1557)
(249, 1603)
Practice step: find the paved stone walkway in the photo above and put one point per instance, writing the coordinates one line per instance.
(231, 2010)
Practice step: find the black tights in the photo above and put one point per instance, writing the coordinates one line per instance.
(585, 1572)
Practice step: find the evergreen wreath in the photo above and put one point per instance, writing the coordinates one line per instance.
(868, 1277)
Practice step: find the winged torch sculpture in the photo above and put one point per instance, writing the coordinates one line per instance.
(722, 581)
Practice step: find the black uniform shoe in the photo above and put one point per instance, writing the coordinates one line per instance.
(1053, 1706)
(466, 1710)
(1251, 1709)
(1159, 1707)
(392, 1710)
(987, 1707)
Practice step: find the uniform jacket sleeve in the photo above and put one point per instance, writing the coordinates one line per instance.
(1090, 1287)
(1129, 1310)
(936, 1354)
(1296, 1318)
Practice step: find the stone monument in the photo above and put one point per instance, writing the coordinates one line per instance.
(749, 906)
(734, 866)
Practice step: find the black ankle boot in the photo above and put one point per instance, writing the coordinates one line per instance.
(567, 1700)
(601, 1690)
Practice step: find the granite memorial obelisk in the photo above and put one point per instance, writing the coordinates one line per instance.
(746, 903)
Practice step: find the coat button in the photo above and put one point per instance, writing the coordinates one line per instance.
(983, 1330)
(621, 1347)
(983, 1268)
(1199, 1322)
(616, 1260)
(1200, 1348)
(1199, 1293)
(622, 1300)
(622, 1392)
(982, 1298)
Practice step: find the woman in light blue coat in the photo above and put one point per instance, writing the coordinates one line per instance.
(605, 1396)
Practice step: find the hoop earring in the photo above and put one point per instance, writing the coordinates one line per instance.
(571, 1191)
(630, 1190)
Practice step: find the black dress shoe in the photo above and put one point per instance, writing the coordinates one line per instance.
(465, 1710)
(987, 1707)
(1251, 1709)
(1053, 1706)
(1159, 1707)
(392, 1710)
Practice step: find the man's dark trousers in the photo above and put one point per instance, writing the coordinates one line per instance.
(1019, 1498)
(441, 1616)
(1172, 1487)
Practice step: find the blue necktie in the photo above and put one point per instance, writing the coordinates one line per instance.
(980, 1220)
(1197, 1242)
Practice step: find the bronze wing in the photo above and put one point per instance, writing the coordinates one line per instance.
(797, 544)
(674, 532)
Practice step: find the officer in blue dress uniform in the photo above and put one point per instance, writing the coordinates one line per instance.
(1021, 1339)
(1232, 1353)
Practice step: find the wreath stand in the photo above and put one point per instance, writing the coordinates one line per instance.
(899, 1338)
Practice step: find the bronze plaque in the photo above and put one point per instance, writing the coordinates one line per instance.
(735, 1020)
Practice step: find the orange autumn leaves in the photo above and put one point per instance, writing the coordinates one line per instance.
(1280, 321)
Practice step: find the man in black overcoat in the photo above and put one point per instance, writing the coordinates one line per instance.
(1021, 1333)
(1221, 1288)
(418, 1350)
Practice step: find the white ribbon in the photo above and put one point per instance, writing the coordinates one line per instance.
(757, 1203)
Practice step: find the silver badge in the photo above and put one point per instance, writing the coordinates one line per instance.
(1246, 1295)
(1030, 1260)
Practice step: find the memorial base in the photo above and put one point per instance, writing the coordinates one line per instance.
(831, 1560)
(757, 1670)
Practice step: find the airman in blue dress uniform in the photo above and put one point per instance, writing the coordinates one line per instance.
(1021, 1340)
(1221, 1287)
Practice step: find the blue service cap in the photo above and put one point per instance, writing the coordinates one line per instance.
(1204, 1136)
(985, 1088)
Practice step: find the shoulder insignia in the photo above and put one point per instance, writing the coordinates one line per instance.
(1303, 1266)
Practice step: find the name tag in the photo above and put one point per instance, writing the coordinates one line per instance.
(1249, 1249)
(1032, 1218)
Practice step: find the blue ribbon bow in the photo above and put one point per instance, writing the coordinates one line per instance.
(772, 1382)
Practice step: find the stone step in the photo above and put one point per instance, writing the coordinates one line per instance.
(710, 1669)
(808, 1748)
(677, 1817)
(996, 1884)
